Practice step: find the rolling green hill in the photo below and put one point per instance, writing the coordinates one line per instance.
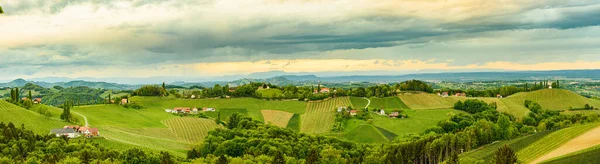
(32, 120)
(553, 99)
(390, 103)
(429, 101)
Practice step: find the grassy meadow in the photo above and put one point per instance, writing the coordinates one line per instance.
(387, 103)
(428, 101)
(32, 120)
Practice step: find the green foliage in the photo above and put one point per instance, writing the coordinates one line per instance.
(294, 122)
(79, 95)
(505, 155)
(149, 90)
(415, 85)
(473, 106)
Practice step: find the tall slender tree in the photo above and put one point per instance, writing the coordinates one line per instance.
(505, 155)
(30, 98)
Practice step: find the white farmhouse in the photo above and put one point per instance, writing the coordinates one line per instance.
(70, 133)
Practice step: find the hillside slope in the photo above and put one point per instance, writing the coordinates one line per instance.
(32, 120)
(554, 99)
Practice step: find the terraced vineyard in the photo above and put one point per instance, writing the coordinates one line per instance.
(278, 118)
(189, 129)
(589, 139)
(589, 155)
(552, 141)
(32, 120)
(554, 99)
(319, 116)
(390, 103)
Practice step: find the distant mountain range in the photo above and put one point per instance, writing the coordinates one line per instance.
(279, 78)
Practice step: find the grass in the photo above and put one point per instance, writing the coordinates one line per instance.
(417, 121)
(365, 134)
(252, 105)
(192, 130)
(113, 95)
(278, 118)
(294, 122)
(358, 102)
(319, 115)
(553, 99)
(428, 101)
(552, 141)
(32, 120)
(487, 152)
(387, 103)
(269, 93)
(589, 155)
(387, 134)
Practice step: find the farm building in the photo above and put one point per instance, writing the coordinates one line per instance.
(324, 90)
(181, 110)
(89, 132)
(353, 112)
(37, 100)
(460, 95)
(498, 96)
(124, 101)
(394, 114)
(208, 109)
(70, 133)
(444, 94)
(194, 110)
(168, 110)
(193, 96)
(382, 112)
(24, 98)
(438, 93)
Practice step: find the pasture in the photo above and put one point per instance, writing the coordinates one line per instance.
(417, 121)
(359, 102)
(487, 152)
(387, 103)
(428, 101)
(269, 93)
(319, 115)
(275, 117)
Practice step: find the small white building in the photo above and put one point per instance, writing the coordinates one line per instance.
(193, 96)
(340, 109)
(208, 109)
(382, 112)
(70, 133)
(168, 110)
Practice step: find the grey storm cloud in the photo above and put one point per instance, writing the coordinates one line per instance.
(194, 38)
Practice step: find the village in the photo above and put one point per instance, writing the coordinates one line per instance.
(187, 110)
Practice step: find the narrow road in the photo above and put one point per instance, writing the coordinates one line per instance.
(369, 103)
(84, 118)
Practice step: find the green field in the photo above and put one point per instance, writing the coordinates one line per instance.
(294, 122)
(428, 101)
(252, 105)
(589, 155)
(417, 121)
(387, 103)
(553, 99)
(359, 102)
(32, 120)
(269, 93)
(112, 95)
(552, 141)
(319, 116)
(365, 134)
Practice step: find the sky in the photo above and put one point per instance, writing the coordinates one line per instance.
(206, 38)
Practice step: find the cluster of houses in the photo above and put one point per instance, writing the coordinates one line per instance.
(445, 94)
(393, 114)
(76, 131)
(35, 100)
(188, 110)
